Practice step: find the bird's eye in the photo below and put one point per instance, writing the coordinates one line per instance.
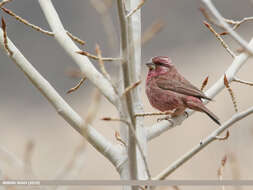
(152, 67)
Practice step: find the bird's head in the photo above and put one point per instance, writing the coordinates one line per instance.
(160, 64)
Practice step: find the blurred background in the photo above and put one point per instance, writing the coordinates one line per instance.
(31, 130)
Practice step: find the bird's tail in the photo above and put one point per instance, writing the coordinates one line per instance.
(211, 115)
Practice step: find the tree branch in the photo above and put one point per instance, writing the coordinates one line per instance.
(63, 109)
(69, 46)
(230, 30)
(203, 144)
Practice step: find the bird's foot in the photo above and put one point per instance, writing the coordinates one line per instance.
(164, 118)
(186, 114)
(168, 118)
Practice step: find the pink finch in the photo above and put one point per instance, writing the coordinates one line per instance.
(168, 90)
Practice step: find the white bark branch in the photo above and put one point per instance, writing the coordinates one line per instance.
(69, 46)
(131, 69)
(230, 30)
(95, 139)
(239, 61)
(203, 144)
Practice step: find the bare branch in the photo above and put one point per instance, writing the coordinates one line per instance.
(131, 87)
(118, 138)
(235, 79)
(208, 17)
(230, 30)
(226, 83)
(11, 158)
(131, 72)
(153, 114)
(102, 145)
(224, 137)
(212, 137)
(39, 29)
(75, 38)
(221, 169)
(74, 164)
(236, 23)
(136, 139)
(136, 9)
(149, 33)
(3, 2)
(28, 159)
(5, 38)
(70, 47)
(102, 7)
(20, 19)
(223, 43)
(204, 83)
(97, 58)
(77, 86)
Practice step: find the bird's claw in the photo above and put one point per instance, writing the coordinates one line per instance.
(164, 118)
(186, 114)
(168, 118)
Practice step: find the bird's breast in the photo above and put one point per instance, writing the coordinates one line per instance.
(163, 100)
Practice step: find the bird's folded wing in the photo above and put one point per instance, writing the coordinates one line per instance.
(181, 87)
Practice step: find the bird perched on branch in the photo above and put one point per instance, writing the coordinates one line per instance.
(168, 90)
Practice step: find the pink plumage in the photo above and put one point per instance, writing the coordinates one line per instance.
(168, 90)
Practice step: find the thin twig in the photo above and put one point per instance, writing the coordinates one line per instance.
(118, 138)
(96, 57)
(224, 137)
(175, 187)
(204, 83)
(3, 2)
(102, 7)
(136, 9)
(223, 43)
(5, 38)
(230, 30)
(136, 140)
(208, 17)
(235, 79)
(93, 108)
(152, 30)
(97, 140)
(39, 29)
(20, 19)
(75, 38)
(235, 168)
(102, 68)
(11, 158)
(212, 137)
(236, 24)
(226, 83)
(101, 63)
(28, 159)
(77, 86)
(74, 73)
(127, 90)
(74, 164)
(153, 114)
(221, 169)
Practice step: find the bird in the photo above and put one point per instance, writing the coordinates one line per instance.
(168, 90)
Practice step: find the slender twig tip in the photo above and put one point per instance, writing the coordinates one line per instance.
(106, 118)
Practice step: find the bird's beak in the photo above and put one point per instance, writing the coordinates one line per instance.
(150, 65)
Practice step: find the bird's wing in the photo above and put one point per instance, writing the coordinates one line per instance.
(180, 86)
